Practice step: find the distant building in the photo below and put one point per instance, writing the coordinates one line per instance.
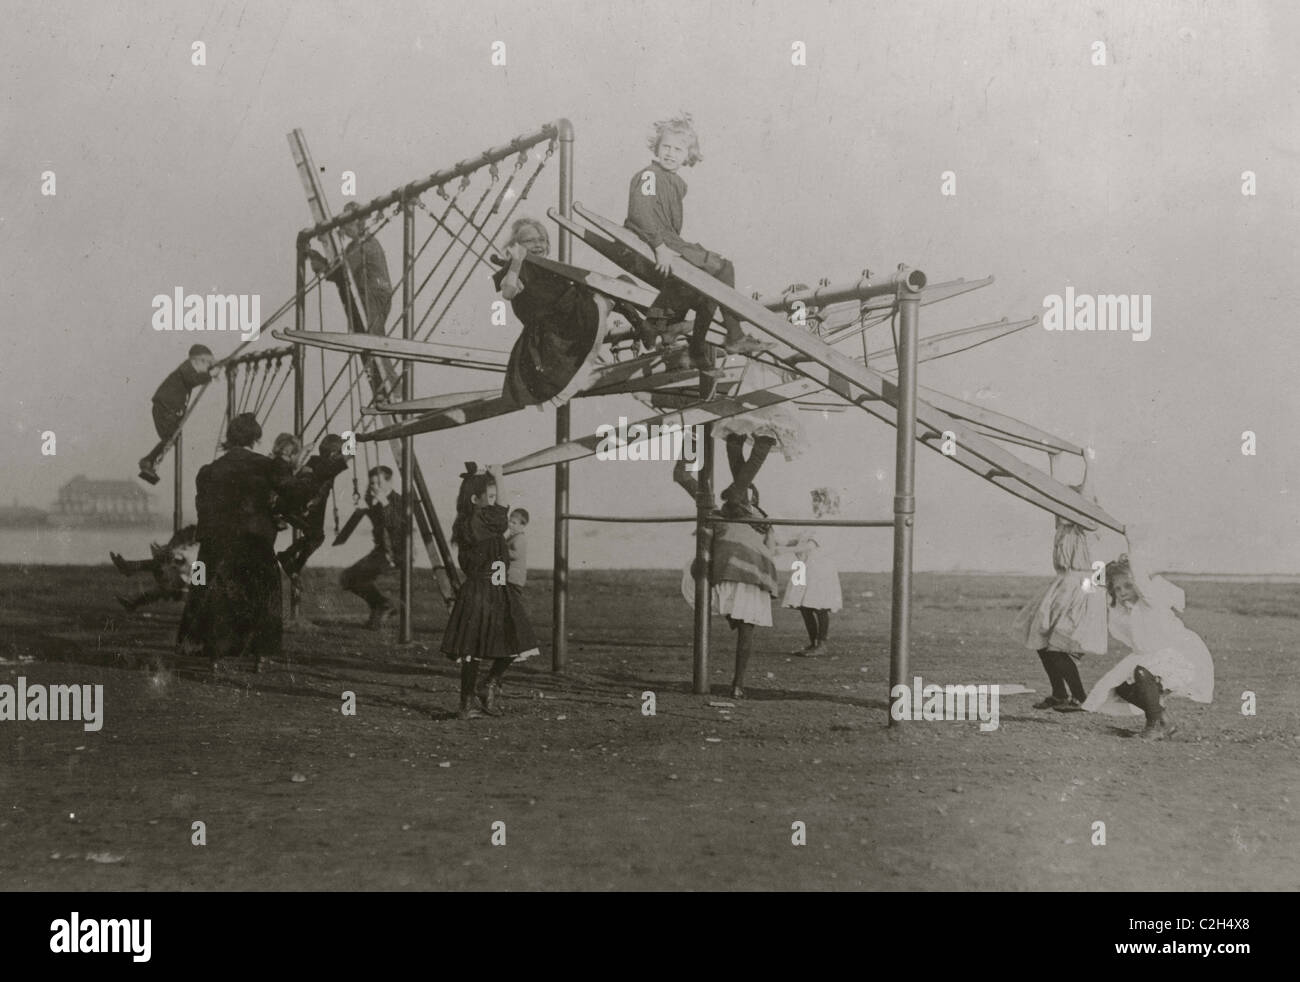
(83, 501)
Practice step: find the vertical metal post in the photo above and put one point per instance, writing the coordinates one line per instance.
(299, 380)
(703, 582)
(560, 566)
(232, 397)
(404, 633)
(178, 485)
(900, 622)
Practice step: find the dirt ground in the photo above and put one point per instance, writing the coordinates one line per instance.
(595, 795)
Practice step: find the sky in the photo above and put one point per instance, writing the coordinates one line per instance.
(1118, 178)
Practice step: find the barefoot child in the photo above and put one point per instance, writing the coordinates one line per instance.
(170, 400)
(1068, 617)
(1166, 657)
(487, 621)
(654, 212)
(814, 589)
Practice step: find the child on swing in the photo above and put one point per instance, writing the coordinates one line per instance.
(171, 567)
(654, 212)
(304, 505)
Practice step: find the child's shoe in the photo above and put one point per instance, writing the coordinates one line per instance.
(1051, 702)
(1070, 705)
(120, 563)
(148, 471)
(127, 603)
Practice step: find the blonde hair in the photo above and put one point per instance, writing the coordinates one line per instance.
(522, 223)
(683, 124)
(286, 441)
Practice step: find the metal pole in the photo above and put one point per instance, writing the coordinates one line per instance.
(703, 583)
(299, 323)
(560, 571)
(900, 621)
(408, 455)
(178, 487)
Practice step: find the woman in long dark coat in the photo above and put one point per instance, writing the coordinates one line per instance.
(238, 611)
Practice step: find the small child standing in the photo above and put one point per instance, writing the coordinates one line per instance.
(169, 402)
(517, 551)
(814, 589)
(654, 212)
(1068, 617)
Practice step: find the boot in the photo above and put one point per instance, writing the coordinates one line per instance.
(148, 471)
(122, 565)
(129, 604)
(468, 683)
(1144, 692)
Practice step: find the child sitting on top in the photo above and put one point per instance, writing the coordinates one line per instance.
(169, 402)
(171, 567)
(303, 506)
(654, 212)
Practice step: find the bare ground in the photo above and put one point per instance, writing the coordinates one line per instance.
(596, 795)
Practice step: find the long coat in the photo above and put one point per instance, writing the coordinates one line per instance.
(238, 611)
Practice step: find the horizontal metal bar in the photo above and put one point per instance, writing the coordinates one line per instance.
(267, 355)
(551, 131)
(656, 519)
(899, 281)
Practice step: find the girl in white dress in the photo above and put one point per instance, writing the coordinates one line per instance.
(814, 588)
(1166, 658)
(1067, 619)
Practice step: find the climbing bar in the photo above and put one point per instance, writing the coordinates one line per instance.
(558, 129)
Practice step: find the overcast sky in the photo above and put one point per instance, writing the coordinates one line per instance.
(1125, 178)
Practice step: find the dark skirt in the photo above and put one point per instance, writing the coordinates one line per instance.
(550, 351)
(488, 621)
(239, 611)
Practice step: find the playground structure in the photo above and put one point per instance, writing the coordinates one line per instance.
(818, 375)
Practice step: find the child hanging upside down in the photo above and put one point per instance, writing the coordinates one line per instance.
(171, 567)
(654, 212)
(742, 570)
(562, 322)
(169, 402)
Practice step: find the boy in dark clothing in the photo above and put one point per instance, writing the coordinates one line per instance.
(304, 506)
(369, 267)
(169, 403)
(385, 511)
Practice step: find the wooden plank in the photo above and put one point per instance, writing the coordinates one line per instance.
(610, 286)
(429, 403)
(852, 381)
(403, 350)
(701, 412)
(949, 343)
(470, 411)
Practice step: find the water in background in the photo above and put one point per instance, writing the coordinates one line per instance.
(590, 547)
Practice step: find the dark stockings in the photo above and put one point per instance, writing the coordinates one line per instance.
(744, 471)
(1062, 672)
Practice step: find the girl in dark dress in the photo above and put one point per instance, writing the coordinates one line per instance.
(488, 621)
(562, 322)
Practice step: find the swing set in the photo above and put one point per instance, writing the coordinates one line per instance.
(374, 385)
